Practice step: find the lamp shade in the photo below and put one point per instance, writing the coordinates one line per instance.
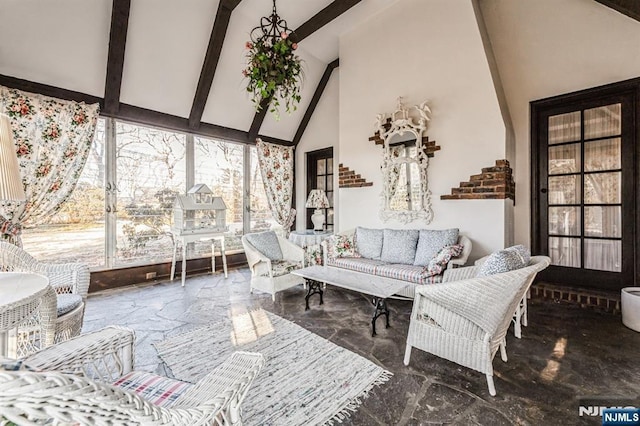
(11, 188)
(317, 200)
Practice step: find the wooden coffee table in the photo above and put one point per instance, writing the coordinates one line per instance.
(378, 287)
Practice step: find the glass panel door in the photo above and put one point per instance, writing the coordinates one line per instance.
(585, 191)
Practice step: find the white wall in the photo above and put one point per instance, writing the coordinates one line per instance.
(545, 48)
(321, 132)
(423, 50)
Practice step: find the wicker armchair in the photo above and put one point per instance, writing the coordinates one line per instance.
(69, 280)
(465, 319)
(79, 391)
(273, 276)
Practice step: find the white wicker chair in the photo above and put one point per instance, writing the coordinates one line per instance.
(466, 319)
(65, 278)
(79, 390)
(270, 276)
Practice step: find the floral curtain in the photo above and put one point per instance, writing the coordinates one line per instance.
(276, 167)
(52, 138)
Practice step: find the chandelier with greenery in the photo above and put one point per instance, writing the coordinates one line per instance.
(273, 69)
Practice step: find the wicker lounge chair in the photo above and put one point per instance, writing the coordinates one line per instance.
(75, 387)
(465, 319)
(270, 275)
(69, 280)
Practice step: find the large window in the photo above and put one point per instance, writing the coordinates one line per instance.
(219, 165)
(120, 213)
(150, 170)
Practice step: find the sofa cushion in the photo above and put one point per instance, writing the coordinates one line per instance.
(368, 266)
(431, 241)
(501, 261)
(399, 245)
(368, 242)
(438, 264)
(160, 391)
(402, 271)
(341, 246)
(266, 243)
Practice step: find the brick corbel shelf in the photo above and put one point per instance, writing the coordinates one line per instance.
(493, 183)
(349, 178)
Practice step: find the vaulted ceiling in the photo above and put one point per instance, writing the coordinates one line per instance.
(173, 63)
(167, 62)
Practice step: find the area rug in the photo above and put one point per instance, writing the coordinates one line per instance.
(307, 380)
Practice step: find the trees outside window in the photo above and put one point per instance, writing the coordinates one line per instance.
(120, 213)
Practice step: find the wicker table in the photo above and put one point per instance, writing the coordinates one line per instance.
(21, 296)
(379, 287)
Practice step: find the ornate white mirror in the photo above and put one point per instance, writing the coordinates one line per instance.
(405, 196)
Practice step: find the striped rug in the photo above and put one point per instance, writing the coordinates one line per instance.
(307, 380)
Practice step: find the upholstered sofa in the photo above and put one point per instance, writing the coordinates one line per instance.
(418, 256)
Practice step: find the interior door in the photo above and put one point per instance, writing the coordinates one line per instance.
(583, 188)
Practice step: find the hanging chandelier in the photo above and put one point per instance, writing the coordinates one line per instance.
(273, 69)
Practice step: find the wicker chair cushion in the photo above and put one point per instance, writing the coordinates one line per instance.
(368, 242)
(430, 243)
(282, 267)
(399, 245)
(159, 390)
(266, 243)
(68, 302)
(522, 251)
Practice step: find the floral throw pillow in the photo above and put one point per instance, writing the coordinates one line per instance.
(438, 264)
(341, 246)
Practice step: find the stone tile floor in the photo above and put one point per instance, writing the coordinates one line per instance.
(565, 354)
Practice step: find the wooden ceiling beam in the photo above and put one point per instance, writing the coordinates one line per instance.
(322, 18)
(115, 59)
(314, 101)
(138, 115)
(216, 41)
(631, 8)
(52, 91)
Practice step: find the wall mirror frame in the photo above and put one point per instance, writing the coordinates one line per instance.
(405, 196)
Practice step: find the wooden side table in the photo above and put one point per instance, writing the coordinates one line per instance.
(21, 296)
(190, 238)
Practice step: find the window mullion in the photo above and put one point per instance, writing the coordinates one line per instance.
(111, 192)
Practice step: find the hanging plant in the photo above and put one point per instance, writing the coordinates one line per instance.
(273, 69)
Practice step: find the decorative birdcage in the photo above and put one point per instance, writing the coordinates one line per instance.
(199, 211)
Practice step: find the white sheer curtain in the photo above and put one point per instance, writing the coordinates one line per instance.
(276, 168)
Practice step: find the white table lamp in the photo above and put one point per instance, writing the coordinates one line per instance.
(317, 200)
(11, 188)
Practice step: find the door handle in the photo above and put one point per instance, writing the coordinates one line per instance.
(543, 190)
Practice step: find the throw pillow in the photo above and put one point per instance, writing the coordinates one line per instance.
(266, 243)
(341, 246)
(501, 261)
(523, 251)
(438, 264)
(368, 242)
(399, 245)
(431, 242)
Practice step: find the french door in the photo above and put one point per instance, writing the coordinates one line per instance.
(320, 176)
(583, 186)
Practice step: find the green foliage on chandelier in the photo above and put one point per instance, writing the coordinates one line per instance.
(274, 72)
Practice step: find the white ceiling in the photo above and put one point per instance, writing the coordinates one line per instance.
(65, 44)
